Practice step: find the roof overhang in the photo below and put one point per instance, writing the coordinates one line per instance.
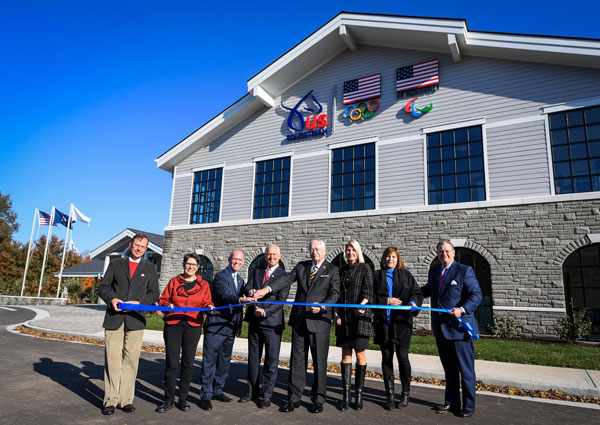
(349, 30)
(126, 234)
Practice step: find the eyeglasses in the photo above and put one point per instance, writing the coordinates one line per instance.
(194, 265)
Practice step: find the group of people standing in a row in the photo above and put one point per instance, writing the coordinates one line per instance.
(451, 286)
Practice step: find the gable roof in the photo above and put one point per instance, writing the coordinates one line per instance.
(347, 30)
(120, 242)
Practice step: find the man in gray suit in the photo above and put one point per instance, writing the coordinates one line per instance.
(133, 280)
(318, 282)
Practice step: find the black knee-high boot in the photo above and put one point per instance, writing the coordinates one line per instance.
(388, 381)
(346, 383)
(359, 383)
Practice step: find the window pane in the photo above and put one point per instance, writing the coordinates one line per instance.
(560, 153)
(462, 150)
(435, 183)
(475, 133)
(593, 132)
(462, 180)
(460, 136)
(563, 186)
(478, 194)
(592, 115)
(559, 137)
(578, 150)
(476, 148)
(207, 187)
(576, 134)
(582, 184)
(476, 163)
(433, 139)
(462, 165)
(562, 169)
(435, 168)
(448, 181)
(448, 196)
(435, 198)
(448, 167)
(448, 152)
(434, 154)
(575, 118)
(447, 138)
(580, 167)
(358, 168)
(463, 195)
(558, 120)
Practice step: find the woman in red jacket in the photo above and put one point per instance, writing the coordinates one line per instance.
(182, 329)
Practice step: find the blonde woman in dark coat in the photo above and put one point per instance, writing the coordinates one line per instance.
(354, 326)
(394, 285)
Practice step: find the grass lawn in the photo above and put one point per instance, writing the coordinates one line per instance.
(511, 351)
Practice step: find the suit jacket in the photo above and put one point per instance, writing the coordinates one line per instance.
(459, 289)
(116, 283)
(273, 312)
(225, 321)
(406, 288)
(325, 288)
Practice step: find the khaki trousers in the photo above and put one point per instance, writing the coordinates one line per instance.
(121, 359)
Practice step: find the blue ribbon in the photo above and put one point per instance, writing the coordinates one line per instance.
(143, 307)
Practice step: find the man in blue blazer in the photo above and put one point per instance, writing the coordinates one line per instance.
(266, 324)
(220, 329)
(453, 286)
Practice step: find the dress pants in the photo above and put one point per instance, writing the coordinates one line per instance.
(262, 385)
(180, 337)
(121, 359)
(318, 344)
(458, 360)
(216, 357)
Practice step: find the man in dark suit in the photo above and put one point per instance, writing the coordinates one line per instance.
(220, 329)
(453, 286)
(318, 282)
(133, 280)
(266, 325)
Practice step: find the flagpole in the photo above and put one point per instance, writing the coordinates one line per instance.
(62, 262)
(46, 250)
(35, 214)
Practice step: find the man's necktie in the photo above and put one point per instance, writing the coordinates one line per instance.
(267, 272)
(313, 272)
(442, 280)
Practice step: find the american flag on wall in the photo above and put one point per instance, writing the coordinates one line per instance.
(362, 89)
(45, 219)
(417, 76)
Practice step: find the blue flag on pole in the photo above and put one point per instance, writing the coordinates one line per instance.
(61, 218)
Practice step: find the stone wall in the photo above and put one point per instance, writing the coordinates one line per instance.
(15, 300)
(525, 246)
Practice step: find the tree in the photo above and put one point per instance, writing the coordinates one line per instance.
(12, 257)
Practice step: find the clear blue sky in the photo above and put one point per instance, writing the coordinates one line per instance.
(93, 91)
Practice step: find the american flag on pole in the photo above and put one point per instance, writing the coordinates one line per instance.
(362, 89)
(417, 76)
(45, 219)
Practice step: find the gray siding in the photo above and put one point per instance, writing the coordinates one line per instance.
(236, 194)
(401, 178)
(310, 185)
(518, 160)
(181, 200)
(475, 87)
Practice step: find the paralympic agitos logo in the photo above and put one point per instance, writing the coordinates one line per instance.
(314, 124)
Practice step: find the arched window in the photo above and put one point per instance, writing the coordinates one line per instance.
(206, 269)
(340, 260)
(581, 275)
(485, 313)
(260, 261)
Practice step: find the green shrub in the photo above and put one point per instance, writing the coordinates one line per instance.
(505, 326)
(575, 327)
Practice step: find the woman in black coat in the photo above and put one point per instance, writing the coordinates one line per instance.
(394, 285)
(353, 325)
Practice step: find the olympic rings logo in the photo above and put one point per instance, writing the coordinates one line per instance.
(362, 110)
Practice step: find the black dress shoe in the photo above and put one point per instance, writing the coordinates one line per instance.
(316, 408)
(245, 398)
(264, 403)
(205, 405)
(164, 407)
(184, 406)
(466, 413)
(222, 398)
(445, 408)
(128, 408)
(108, 410)
(289, 406)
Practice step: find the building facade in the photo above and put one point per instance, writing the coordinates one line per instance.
(402, 131)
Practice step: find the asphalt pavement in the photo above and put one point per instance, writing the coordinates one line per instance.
(61, 382)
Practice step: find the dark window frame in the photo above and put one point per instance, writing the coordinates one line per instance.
(575, 149)
(353, 178)
(271, 190)
(205, 205)
(455, 160)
